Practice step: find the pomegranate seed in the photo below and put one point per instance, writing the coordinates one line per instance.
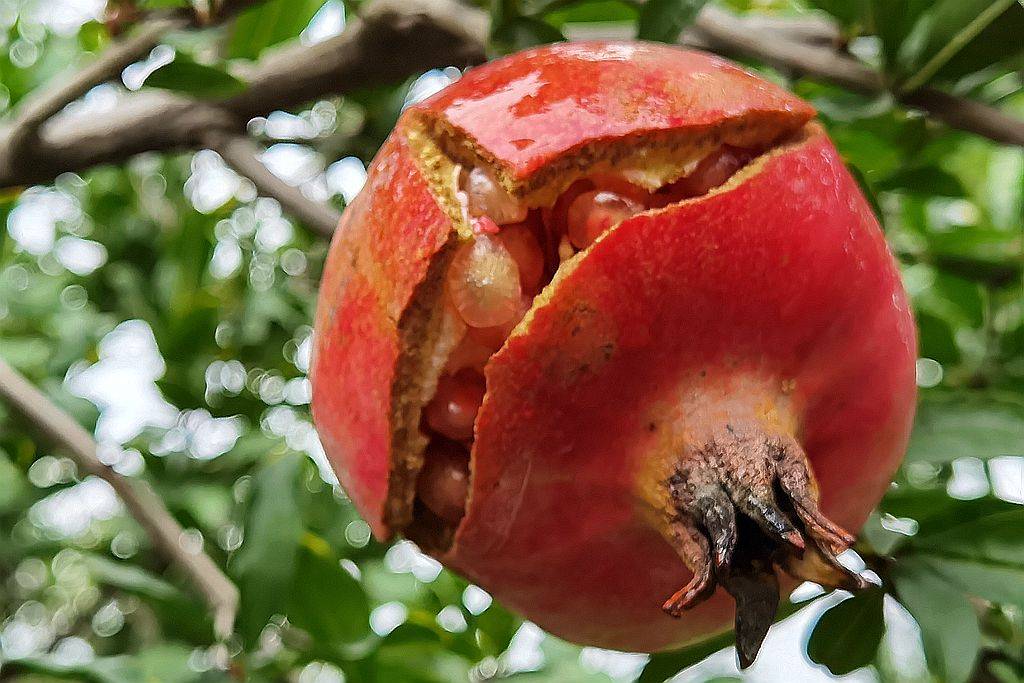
(443, 483)
(469, 354)
(621, 186)
(483, 225)
(565, 249)
(493, 337)
(591, 213)
(520, 241)
(555, 217)
(486, 197)
(712, 171)
(453, 409)
(483, 283)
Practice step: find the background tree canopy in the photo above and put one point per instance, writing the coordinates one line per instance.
(172, 171)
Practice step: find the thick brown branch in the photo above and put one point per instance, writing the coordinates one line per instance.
(45, 102)
(242, 154)
(142, 502)
(968, 115)
(394, 40)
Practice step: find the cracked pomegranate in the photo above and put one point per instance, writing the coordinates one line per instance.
(609, 328)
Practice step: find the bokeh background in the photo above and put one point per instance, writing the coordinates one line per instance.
(164, 301)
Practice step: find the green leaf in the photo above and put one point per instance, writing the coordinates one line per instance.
(936, 339)
(664, 20)
(163, 663)
(518, 33)
(893, 20)
(936, 512)
(266, 563)
(869, 192)
(192, 78)
(559, 13)
(1005, 672)
(269, 24)
(961, 424)
(846, 636)
(998, 44)
(949, 626)
(496, 626)
(130, 578)
(940, 34)
(665, 665)
(325, 600)
(164, 4)
(848, 12)
(927, 180)
(14, 484)
(1002, 584)
(981, 554)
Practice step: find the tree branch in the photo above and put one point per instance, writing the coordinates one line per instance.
(968, 115)
(724, 32)
(45, 102)
(242, 154)
(395, 39)
(392, 41)
(142, 502)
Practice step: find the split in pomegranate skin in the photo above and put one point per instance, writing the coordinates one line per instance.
(493, 277)
(742, 503)
(603, 369)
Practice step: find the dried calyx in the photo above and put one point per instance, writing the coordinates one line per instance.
(741, 504)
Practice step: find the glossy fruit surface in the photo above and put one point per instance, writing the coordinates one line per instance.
(748, 314)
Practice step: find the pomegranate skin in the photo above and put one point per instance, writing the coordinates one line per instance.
(528, 109)
(778, 288)
(369, 279)
(774, 293)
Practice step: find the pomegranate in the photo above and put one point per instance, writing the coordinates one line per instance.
(698, 358)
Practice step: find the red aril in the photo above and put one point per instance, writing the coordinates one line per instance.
(486, 197)
(494, 337)
(454, 407)
(522, 244)
(483, 225)
(712, 171)
(591, 213)
(483, 282)
(444, 480)
(621, 186)
(556, 216)
(469, 354)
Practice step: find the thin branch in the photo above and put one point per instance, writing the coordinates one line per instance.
(728, 33)
(968, 115)
(142, 502)
(242, 154)
(724, 32)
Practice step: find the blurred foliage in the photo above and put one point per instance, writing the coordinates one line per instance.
(168, 280)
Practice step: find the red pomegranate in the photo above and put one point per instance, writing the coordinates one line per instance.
(609, 327)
